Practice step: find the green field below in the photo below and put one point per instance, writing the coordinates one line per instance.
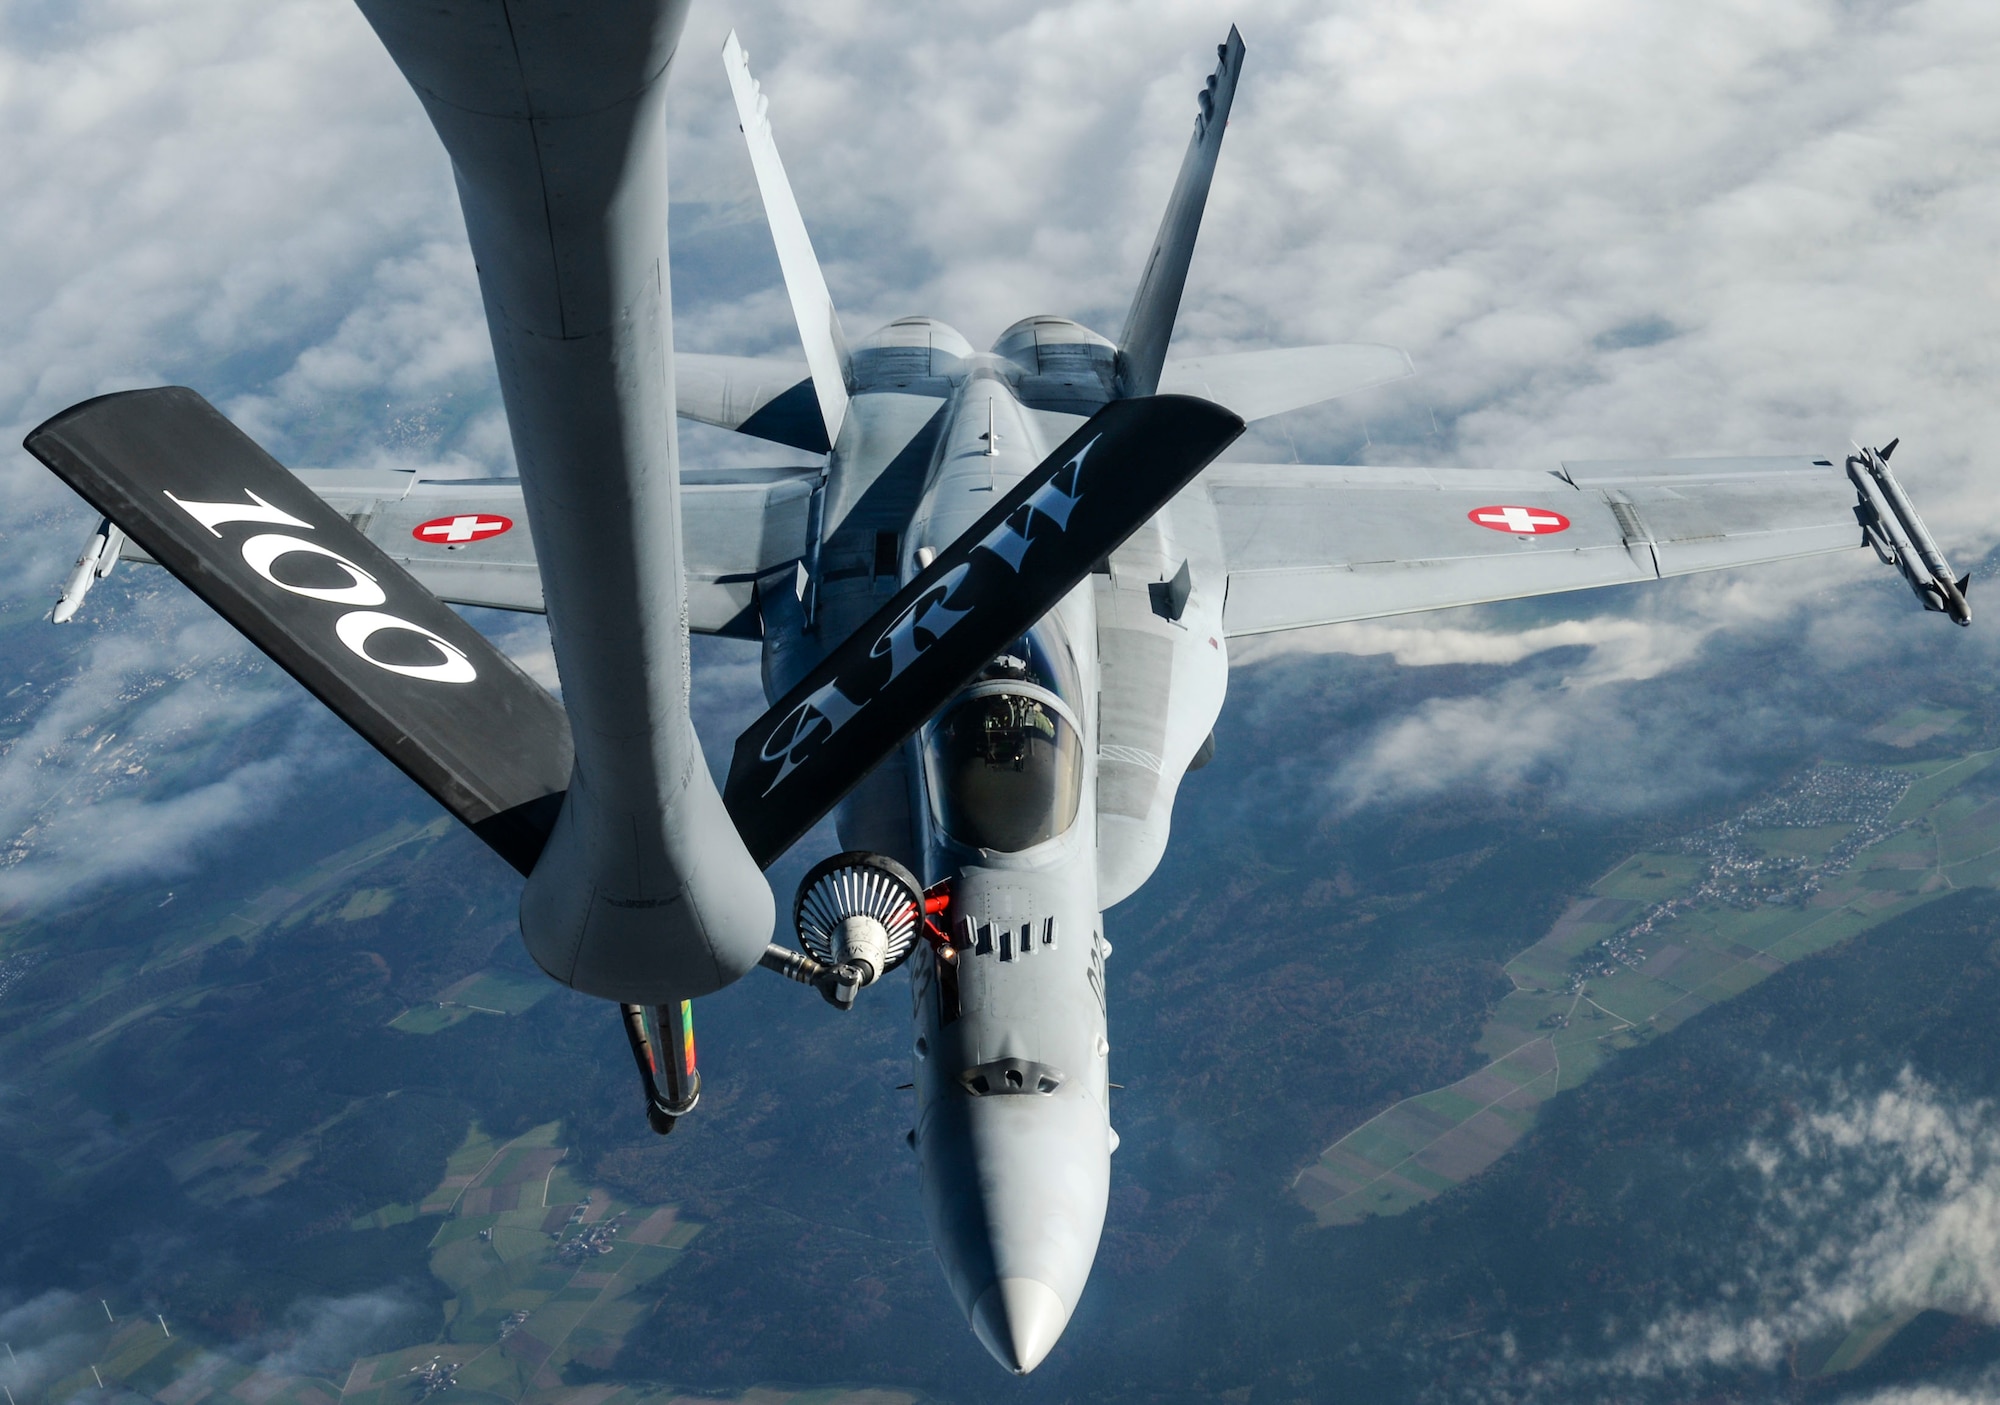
(1573, 1006)
(1918, 724)
(482, 993)
(544, 1274)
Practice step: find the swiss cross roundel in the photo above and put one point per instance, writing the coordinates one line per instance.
(466, 527)
(1521, 521)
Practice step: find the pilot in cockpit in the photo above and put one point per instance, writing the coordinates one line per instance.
(1004, 764)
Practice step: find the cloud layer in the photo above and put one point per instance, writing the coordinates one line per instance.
(46, 1346)
(324, 1336)
(1875, 1203)
(1640, 228)
(119, 761)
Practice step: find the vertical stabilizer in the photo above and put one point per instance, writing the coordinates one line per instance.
(812, 305)
(1142, 349)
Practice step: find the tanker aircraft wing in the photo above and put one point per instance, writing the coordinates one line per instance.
(1308, 545)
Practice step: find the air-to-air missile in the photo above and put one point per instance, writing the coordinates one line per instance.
(100, 554)
(1891, 525)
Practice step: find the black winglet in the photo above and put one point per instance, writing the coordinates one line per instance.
(421, 685)
(982, 592)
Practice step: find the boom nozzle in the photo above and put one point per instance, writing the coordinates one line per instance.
(1890, 524)
(662, 1039)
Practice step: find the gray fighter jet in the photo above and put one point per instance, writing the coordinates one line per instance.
(995, 605)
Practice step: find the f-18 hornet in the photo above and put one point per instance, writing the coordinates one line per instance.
(995, 591)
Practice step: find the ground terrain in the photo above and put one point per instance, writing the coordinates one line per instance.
(1666, 934)
(329, 1123)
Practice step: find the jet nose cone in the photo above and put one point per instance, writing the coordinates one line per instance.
(1019, 1320)
(1015, 1190)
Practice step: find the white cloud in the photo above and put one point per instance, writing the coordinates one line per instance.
(78, 798)
(1593, 710)
(323, 1336)
(1873, 1203)
(194, 187)
(1982, 1390)
(45, 1345)
(1621, 648)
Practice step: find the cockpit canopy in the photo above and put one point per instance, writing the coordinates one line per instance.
(1004, 761)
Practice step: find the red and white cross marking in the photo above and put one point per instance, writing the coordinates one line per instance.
(468, 527)
(1522, 521)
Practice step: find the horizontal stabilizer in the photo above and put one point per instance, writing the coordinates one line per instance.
(1149, 326)
(981, 593)
(396, 664)
(1258, 384)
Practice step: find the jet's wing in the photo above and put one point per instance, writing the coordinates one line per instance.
(1309, 545)
(738, 525)
(466, 539)
(766, 397)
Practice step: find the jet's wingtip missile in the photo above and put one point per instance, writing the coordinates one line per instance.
(100, 554)
(1890, 520)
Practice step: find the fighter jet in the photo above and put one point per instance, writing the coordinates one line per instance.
(995, 605)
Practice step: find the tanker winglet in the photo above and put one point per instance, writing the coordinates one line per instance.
(326, 604)
(812, 305)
